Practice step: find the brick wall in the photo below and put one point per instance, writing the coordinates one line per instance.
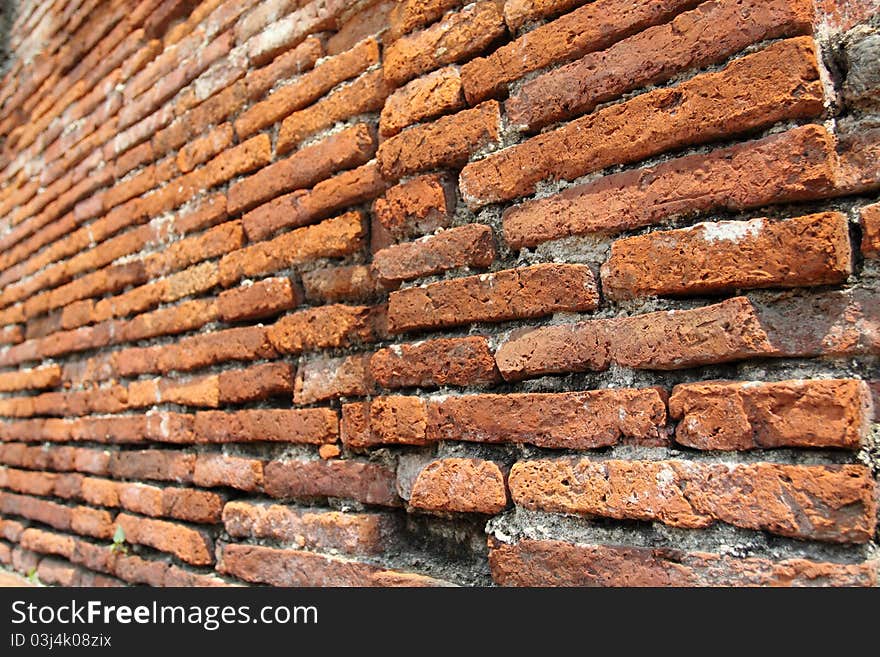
(408, 292)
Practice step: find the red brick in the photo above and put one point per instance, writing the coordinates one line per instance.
(60, 572)
(140, 498)
(264, 298)
(365, 94)
(370, 483)
(192, 505)
(256, 383)
(458, 37)
(416, 207)
(734, 415)
(447, 142)
(385, 421)
(724, 256)
(466, 246)
(424, 98)
(335, 237)
(232, 471)
(45, 542)
(329, 378)
(460, 485)
(351, 533)
(324, 327)
(356, 283)
(288, 31)
(594, 26)
(695, 39)
(180, 318)
(11, 335)
(199, 391)
(308, 88)
(371, 21)
(308, 206)
(791, 166)
(47, 376)
(826, 503)
(280, 567)
(92, 522)
(214, 242)
(49, 513)
(245, 343)
(724, 332)
(442, 362)
(329, 451)
(409, 15)
(349, 148)
(532, 562)
(312, 426)
(511, 294)
(189, 545)
(204, 148)
(160, 465)
(870, 222)
(520, 12)
(777, 83)
(568, 420)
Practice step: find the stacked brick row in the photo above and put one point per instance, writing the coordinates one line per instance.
(417, 293)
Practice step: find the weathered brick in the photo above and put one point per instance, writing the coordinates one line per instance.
(594, 26)
(233, 471)
(567, 420)
(723, 256)
(460, 485)
(370, 483)
(160, 465)
(92, 522)
(303, 207)
(265, 298)
(328, 378)
(372, 20)
(511, 294)
(352, 533)
(45, 542)
(442, 362)
(447, 142)
(324, 327)
(826, 503)
(532, 562)
(256, 383)
(779, 82)
(693, 39)
(279, 567)
(47, 376)
(424, 98)
(409, 15)
(724, 332)
(792, 166)
(385, 421)
(870, 221)
(349, 148)
(458, 37)
(192, 505)
(416, 207)
(313, 426)
(204, 148)
(189, 545)
(332, 238)
(365, 94)
(356, 283)
(308, 88)
(466, 246)
(520, 12)
(734, 415)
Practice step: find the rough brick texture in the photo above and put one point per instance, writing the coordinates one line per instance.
(431, 292)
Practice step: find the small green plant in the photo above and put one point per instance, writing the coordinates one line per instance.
(31, 576)
(118, 544)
